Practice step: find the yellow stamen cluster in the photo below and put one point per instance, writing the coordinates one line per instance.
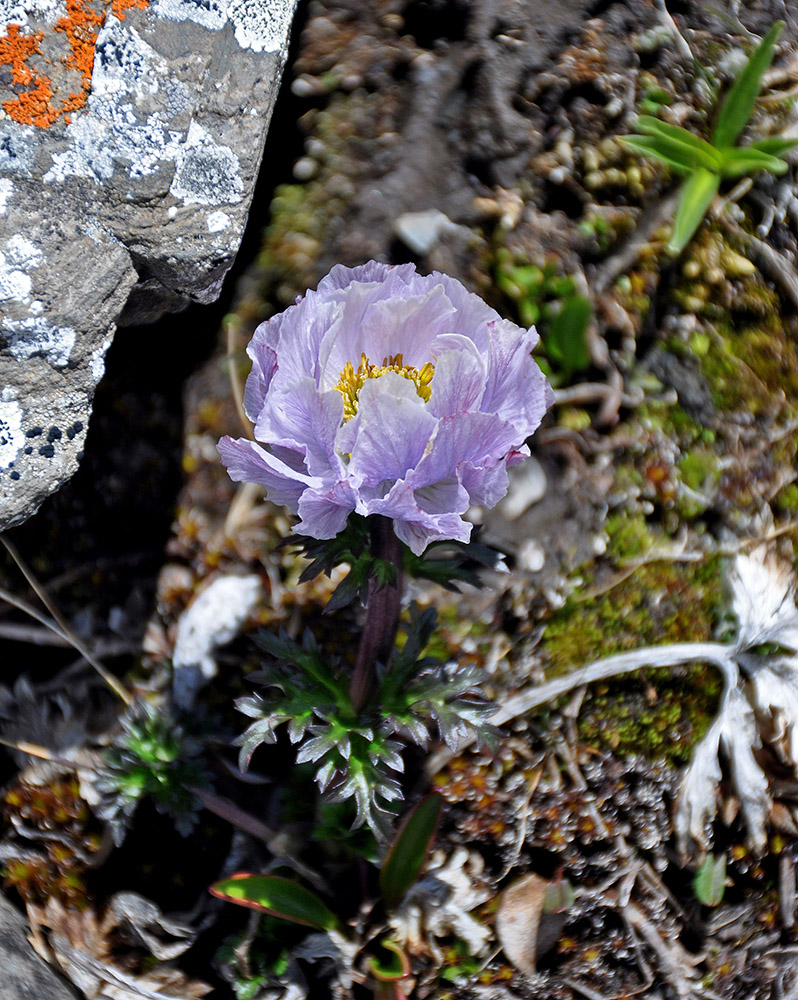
(351, 381)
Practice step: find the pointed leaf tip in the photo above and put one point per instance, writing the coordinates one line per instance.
(410, 849)
(739, 102)
(279, 897)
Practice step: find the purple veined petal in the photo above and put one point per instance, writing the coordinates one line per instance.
(485, 486)
(472, 314)
(372, 271)
(516, 388)
(302, 333)
(248, 462)
(306, 420)
(324, 514)
(445, 495)
(460, 373)
(264, 365)
(391, 433)
(482, 439)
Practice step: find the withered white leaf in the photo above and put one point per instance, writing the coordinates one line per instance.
(774, 690)
(738, 738)
(697, 797)
(763, 600)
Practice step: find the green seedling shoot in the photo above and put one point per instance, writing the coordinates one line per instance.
(706, 164)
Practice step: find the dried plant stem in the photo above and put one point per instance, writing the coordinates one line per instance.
(382, 615)
(59, 624)
(671, 655)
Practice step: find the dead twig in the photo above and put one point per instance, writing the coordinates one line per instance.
(778, 268)
(672, 958)
(620, 262)
(787, 889)
(59, 624)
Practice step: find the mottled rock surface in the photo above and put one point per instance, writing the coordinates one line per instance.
(131, 135)
(25, 975)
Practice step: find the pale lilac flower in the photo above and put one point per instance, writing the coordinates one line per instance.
(388, 392)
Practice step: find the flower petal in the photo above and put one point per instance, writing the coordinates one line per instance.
(324, 514)
(390, 434)
(414, 525)
(380, 328)
(248, 462)
(306, 420)
(460, 374)
(516, 388)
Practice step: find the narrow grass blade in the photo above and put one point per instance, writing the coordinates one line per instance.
(739, 160)
(679, 160)
(739, 103)
(696, 195)
(706, 154)
(774, 145)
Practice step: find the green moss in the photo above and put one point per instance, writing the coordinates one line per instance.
(752, 367)
(628, 536)
(699, 469)
(660, 712)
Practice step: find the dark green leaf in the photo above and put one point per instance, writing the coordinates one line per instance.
(739, 160)
(410, 849)
(695, 198)
(709, 883)
(673, 136)
(774, 145)
(277, 896)
(739, 102)
(566, 340)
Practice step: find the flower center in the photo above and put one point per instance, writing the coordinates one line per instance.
(352, 380)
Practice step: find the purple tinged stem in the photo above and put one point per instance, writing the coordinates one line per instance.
(382, 615)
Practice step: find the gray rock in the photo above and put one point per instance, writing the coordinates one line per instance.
(25, 975)
(121, 210)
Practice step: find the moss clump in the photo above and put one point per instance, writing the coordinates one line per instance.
(661, 713)
(628, 537)
(752, 367)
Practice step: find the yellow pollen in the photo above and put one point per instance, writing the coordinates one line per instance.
(352, 380)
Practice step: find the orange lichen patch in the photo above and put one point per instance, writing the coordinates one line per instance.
(81, 25)
(118, 7)
(15, 50)
(33, 107)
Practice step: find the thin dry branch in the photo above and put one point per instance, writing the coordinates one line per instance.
(59, 624)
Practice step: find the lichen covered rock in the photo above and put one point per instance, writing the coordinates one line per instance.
(131, 133)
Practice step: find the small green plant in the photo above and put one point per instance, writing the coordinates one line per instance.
(403, 863)
(550, 302)
(706, 164)
(709, 883)
(356, 752)
(153, 756)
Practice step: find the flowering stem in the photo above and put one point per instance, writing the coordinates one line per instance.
(382, 614)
